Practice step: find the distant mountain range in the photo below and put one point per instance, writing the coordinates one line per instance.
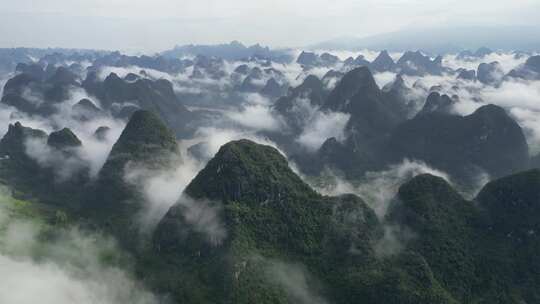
(443, 40)
(231, 51)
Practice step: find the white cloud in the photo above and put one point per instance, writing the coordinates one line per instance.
(380, 187)
(507, 60)
(161, 188)
(63, 269)
(520, 98)
(136, 22)
(322, 126)
(124, 71)
(64, 163)
(384, 78)
(256, 114)
(91, 155)
(294, 279)
(27, 282)
(213, 138)
(205, 217)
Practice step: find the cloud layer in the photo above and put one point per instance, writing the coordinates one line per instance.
(68, 268)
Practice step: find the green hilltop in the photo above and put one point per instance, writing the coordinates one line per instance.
(247, 229)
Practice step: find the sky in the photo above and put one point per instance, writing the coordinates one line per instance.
(160, 24)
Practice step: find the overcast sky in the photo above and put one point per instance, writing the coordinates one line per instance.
(160, 24)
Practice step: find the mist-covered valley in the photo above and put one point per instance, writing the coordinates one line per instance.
(247, 174)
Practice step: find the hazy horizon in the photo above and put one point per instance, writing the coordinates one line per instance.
(350, 151)
(162, 24)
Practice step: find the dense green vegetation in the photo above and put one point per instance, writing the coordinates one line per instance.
(483, 251)
(271, 215)
(30, 180)
(145, 141)
(248, 230)
(63, 139)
